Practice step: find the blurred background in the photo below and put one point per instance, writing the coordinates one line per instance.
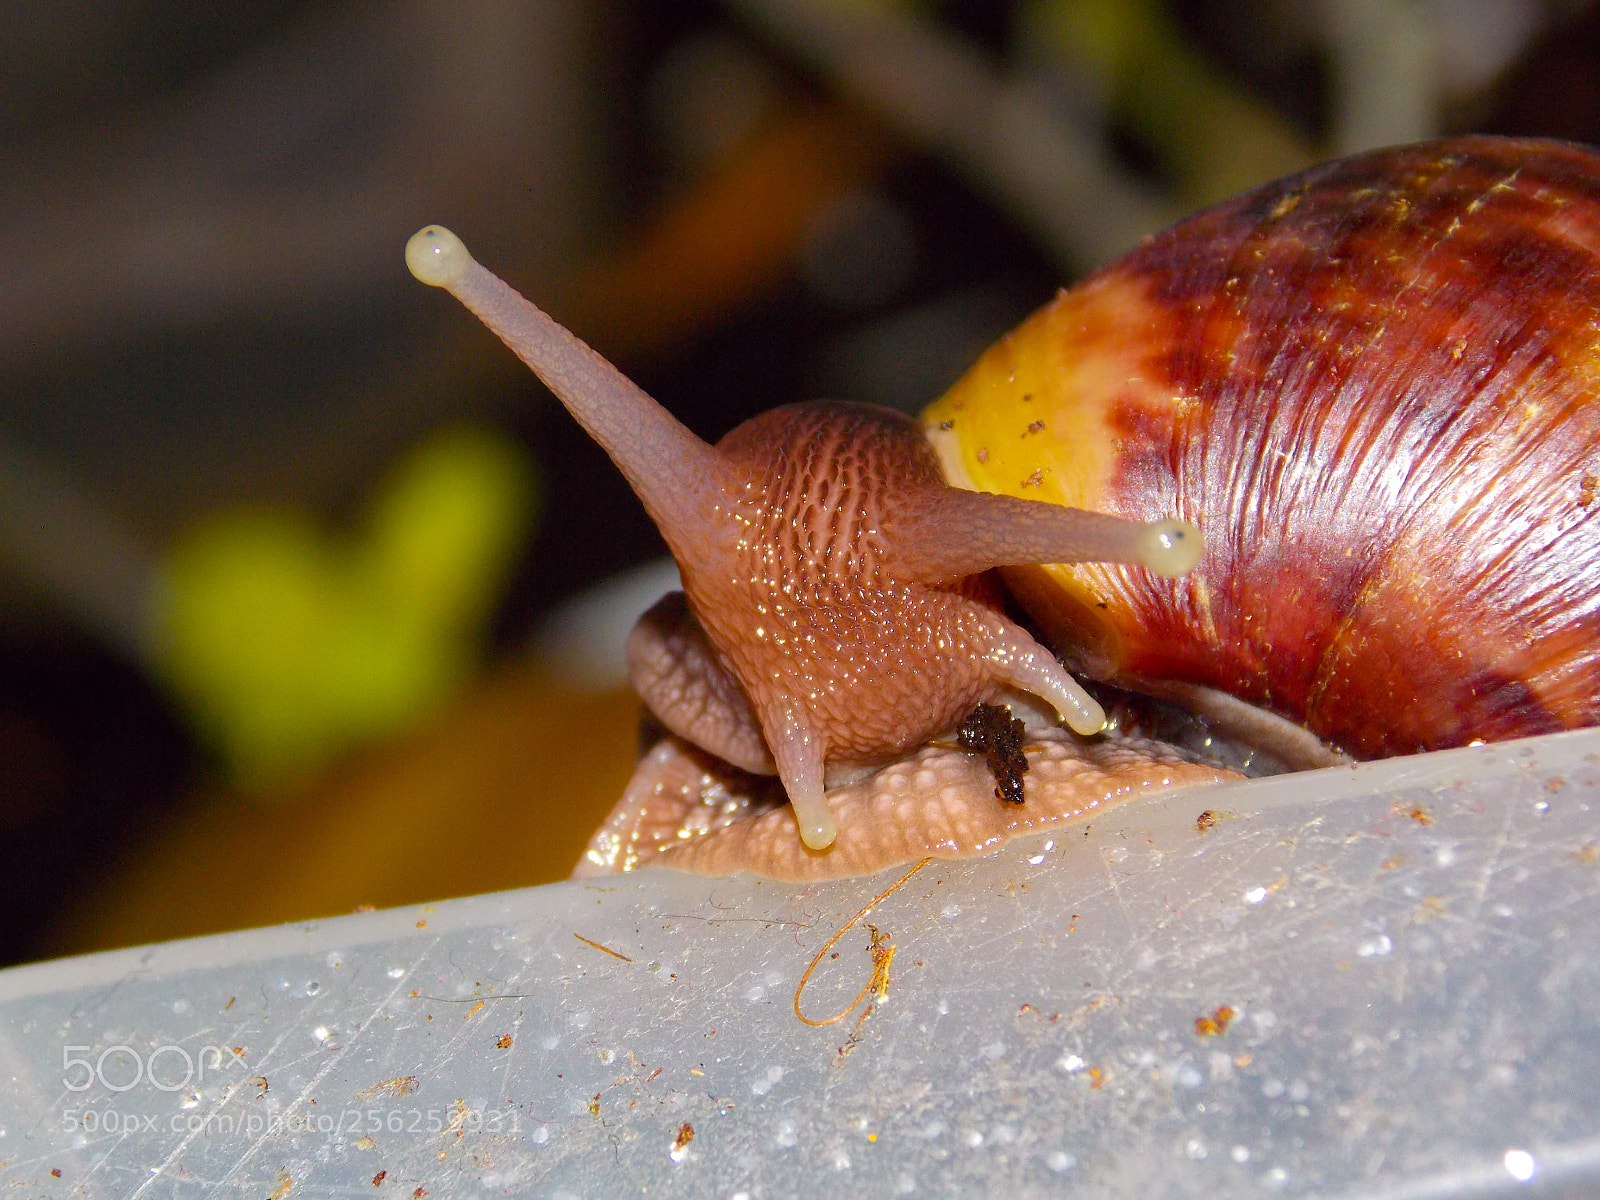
(310, 598)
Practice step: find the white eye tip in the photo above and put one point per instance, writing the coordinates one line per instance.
(1089, 721)
(1171, 548)
(817, 826)
(437, 257)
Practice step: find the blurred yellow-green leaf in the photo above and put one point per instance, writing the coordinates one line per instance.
(290, 642)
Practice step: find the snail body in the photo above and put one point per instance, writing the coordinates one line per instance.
(1373, 385)
(833, 618)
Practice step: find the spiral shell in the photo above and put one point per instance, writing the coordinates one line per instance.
(1376, 387)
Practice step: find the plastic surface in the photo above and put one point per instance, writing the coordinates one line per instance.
(1410, 950)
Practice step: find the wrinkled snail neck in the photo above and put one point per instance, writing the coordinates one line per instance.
(933, 534)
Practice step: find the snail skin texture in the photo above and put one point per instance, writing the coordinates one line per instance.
(1372, 384)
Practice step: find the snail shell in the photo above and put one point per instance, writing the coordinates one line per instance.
(1376, 386)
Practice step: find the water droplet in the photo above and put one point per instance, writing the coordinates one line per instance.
(1375, 947)
(1520, 1165)
(1060, 1161)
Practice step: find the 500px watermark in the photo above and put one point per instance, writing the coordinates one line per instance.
(122, 1068)
(350, 1121)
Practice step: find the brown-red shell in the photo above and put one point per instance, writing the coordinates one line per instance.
(1376, 387)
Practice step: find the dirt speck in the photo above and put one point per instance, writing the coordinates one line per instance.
(1217, 1023)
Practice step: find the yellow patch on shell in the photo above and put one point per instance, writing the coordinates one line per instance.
(1089, 358)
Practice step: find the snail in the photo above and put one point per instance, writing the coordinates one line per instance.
(1373, 385)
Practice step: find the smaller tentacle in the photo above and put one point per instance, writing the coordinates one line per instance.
(801, 753)
(1014, 658)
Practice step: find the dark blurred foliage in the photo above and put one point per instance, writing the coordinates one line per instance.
(62, 60)
(1277, 63)
(1554, 90)
(91, 761)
